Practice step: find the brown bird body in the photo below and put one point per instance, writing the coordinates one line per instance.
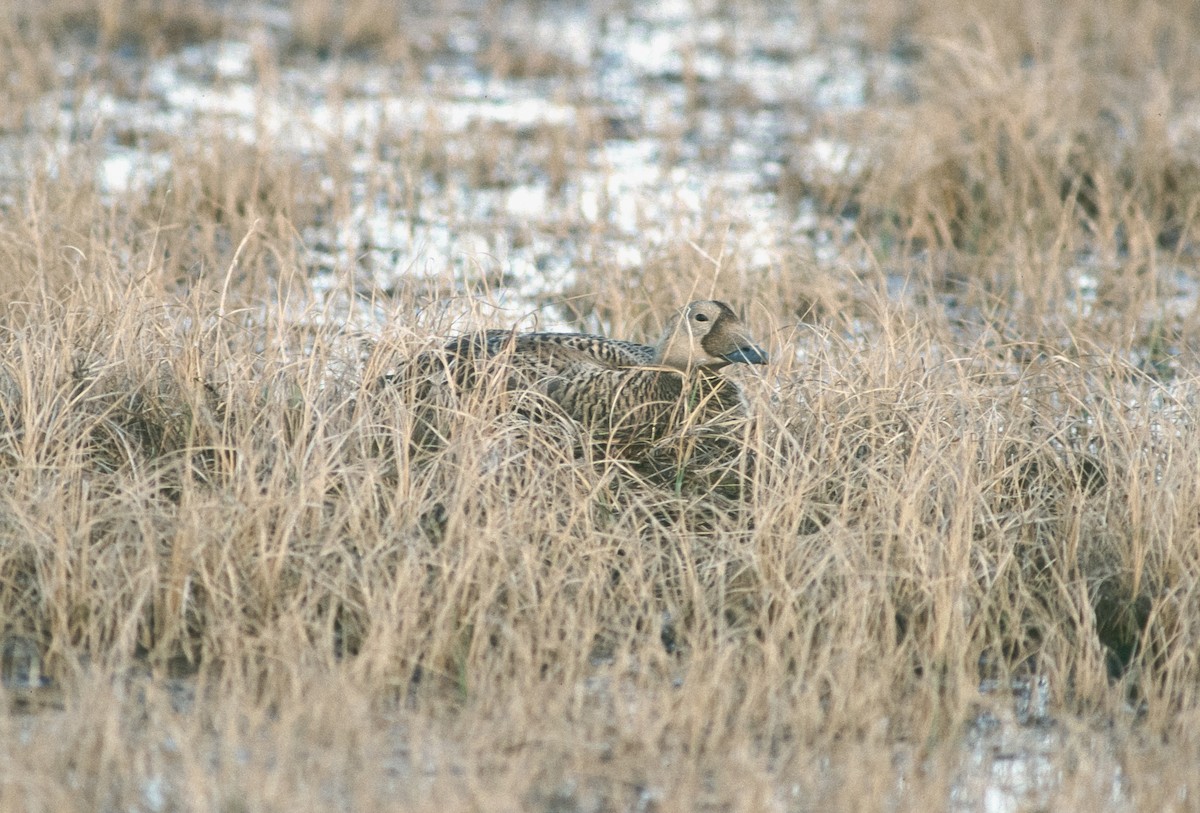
(626, 395)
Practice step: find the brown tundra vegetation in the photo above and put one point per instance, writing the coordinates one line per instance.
(961, 566)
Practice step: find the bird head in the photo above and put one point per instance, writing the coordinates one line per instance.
(707, 334)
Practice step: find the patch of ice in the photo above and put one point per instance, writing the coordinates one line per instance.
(233, 59)
(654, 52)
(628, 256)
(667, 11)
(527, 201)
(124, 170)
(672, 160)
(574, 38)
(825, 156)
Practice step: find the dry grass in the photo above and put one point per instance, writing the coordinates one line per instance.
(229, 582)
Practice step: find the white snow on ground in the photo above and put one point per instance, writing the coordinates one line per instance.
(637, 69)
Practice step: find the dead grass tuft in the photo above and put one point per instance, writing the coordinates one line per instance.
(187, 494)
(152, 28)
(237, 571)
(364, 27)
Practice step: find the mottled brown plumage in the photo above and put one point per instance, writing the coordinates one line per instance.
(627, 396)
(704, 334)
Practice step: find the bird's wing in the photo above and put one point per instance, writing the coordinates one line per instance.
(609, 352)
(642, 403)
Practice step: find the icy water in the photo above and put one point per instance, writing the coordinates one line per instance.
(613, 139)
(621, 135)
(616, 136)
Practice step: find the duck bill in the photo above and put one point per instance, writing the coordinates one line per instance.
(750, 354)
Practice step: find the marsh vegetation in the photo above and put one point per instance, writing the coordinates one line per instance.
(967, 575)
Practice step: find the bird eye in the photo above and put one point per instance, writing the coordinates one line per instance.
(700, 317)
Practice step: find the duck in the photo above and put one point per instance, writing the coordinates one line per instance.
(626, 396)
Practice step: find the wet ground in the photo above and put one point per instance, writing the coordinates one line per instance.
(604, 139)
(610, 137)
